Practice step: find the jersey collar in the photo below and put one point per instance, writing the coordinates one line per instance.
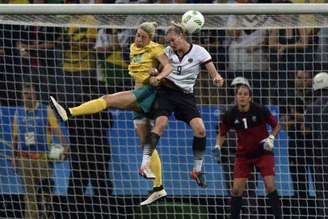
(181, 58)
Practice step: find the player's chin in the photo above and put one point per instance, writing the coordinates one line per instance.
(139, 44)
(243, 103)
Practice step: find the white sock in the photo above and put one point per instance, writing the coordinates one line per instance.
(146, 155)
(198, 165)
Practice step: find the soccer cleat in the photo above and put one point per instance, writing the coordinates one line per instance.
(154, 196)
(146, 172)
(59, 110)
(199, 178)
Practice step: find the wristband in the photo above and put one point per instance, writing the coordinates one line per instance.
(217, 146)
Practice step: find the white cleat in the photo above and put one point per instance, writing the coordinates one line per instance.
(59, 110)
(146, 172)
(154, 196)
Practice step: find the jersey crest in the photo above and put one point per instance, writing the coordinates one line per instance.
(137, 58)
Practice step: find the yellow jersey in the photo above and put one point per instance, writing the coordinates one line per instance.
(143, 59)
(78, 58)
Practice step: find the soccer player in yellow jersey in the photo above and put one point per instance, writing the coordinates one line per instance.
(144, 56)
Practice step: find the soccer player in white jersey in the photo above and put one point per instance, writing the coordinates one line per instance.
(175, 95)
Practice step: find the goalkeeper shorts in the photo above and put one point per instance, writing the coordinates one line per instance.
(146, 96)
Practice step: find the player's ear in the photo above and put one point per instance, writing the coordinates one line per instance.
(251, 95)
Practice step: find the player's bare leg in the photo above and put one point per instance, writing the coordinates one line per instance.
(122, 100)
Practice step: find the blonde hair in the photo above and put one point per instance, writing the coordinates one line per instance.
(149, 28)
(177, 28)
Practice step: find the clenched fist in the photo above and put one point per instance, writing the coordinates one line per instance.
(153, 72)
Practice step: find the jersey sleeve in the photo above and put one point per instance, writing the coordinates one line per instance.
(167, 51)
(157, 50)
(131, 51)
(224, 124)
(204, 56)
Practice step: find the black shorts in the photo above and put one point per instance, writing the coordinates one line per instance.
(170, 101)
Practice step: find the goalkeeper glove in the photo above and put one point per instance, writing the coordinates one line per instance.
(268, 143)
(217, 153)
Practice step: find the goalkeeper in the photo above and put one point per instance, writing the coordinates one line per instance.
(144, 55)
(254, 147)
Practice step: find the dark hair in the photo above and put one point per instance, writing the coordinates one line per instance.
(244, 85)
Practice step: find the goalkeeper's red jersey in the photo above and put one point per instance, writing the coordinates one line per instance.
(250, 128)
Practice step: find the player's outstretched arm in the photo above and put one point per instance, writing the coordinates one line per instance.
(217, 78)
(165, 70)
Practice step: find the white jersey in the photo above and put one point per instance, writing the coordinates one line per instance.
(186, 68)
